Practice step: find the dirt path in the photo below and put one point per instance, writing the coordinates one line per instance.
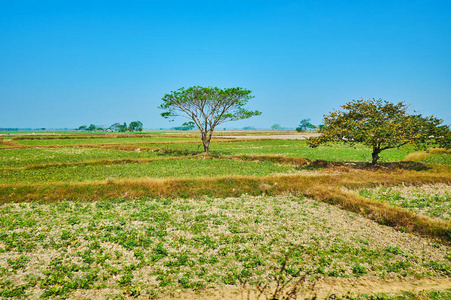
(376, 285)
(273, 137)
(330, 286)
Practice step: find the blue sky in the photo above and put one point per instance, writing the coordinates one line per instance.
(70, 63)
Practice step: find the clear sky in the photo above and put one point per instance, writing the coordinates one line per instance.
(71, 63)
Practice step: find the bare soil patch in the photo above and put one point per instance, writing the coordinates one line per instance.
(300, 136)
(330, 286)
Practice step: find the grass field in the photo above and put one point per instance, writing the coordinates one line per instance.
(149, 216)
(430, 201)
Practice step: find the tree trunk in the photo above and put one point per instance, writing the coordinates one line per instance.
(375, 155)
(206, 146)
(206, 142)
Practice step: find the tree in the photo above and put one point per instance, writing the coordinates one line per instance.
(135, 126)
(381, 125)
(115, 126)
(122, 128)
(92, 127)
(208, 107)
(185, 126)
(188, 125)
(275, 127)
(304, 125)
(82, 127)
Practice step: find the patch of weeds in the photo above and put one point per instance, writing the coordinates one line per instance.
(125, 280)
(115, 296)
(19, 262)
(415, 199)
(164, 280)
(198, 227)
(288, 281)
(153, 294)
(359, 270)
(73, 220)
(181, 259)
(442, 268)
(61, 279)
(129, 239)
(9, 290)
(157, 231)
(398, 266)
(159, 252)
(139, 254)
(66, 234)
(205, 241)
(394, 250)
(18, 241)
(230, 277)
(186, 283)
(448, 256)
(132, 290)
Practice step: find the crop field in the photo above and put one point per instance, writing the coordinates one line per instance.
(431, 201)
(149, 216)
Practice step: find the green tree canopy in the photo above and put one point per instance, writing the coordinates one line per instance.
(304, 125)
(115, 126)
(185, 126)
(381, 125)
(92, 127)
(135, 126)
(275, 127)
(208, 107)
(122, 128)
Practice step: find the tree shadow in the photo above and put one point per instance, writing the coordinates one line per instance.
(177, 152)
(383, 166)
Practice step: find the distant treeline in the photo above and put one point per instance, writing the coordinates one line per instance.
(29, 129)
(133, 126)
(13, 129)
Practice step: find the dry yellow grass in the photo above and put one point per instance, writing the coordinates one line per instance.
(417, 156)
(439, 150)
(11, 144)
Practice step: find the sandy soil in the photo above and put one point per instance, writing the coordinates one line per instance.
(330, 286)
(300, 136)
(322, 289)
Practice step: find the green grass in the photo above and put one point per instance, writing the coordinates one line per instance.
(440, 159)
(106, 140)
(17, 158)
(420, 200)
(292, 148)
(155, 246)
(289, 148)
(37, 156)
(188, 168)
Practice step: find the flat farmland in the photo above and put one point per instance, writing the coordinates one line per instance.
(149, 216)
